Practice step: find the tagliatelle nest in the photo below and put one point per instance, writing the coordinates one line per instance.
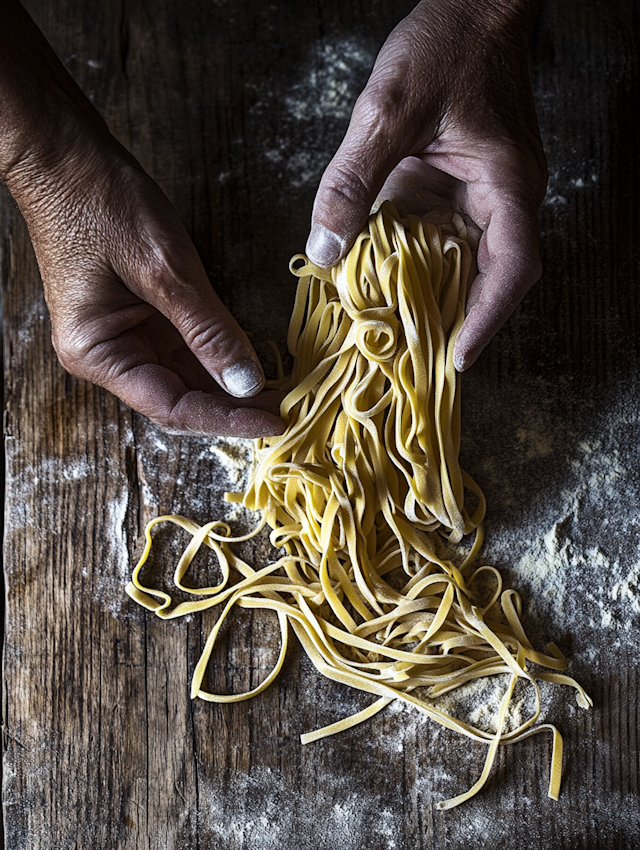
(358, 487)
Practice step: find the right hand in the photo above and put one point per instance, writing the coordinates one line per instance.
(450, 87)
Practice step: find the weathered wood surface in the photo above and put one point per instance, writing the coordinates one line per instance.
(235, 108)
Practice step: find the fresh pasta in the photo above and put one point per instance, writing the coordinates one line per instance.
(360, 490)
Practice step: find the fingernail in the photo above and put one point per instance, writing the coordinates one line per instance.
(243, 379)
(459, 361)
(324, 248)
(464, 360)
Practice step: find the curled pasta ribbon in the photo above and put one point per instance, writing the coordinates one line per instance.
(357, 492)
(376, 340)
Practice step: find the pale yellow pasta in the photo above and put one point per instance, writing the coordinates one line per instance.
(360, 487)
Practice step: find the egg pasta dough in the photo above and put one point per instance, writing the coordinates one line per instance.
(361, 489)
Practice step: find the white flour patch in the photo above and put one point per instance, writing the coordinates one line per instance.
(56, 470)
(563, 515)
(233, 460)
(33, 489)
(628, 589)
(568, 581)
(34, 316)
(327, 88)
(112, 567)
(115, 514)
(315, 109)
(270, 811)
(566, 181)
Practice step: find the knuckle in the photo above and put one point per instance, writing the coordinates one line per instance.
(170, 419)
(380, 111)
(519, 169)
(164, 254)
(160, 272)
(71, 352)
(346, 186)
(68, 359)
(167, 256)
(204, 332)
(171, 272)
(98, 361)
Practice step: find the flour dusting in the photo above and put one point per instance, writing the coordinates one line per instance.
(316, 108)
(327, 87)
(112, 571)
(553, 489)
(575, 551)
(233, 459)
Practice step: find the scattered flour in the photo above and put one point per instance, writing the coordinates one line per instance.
(478, 703)
(108, 583)
(545, 544)
(564, 184)
(568, 580)
(234, 457)
(327, 89)
(338, 822)
(628, 589)
(321, 101)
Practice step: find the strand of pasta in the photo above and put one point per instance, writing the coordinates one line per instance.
(357, 491)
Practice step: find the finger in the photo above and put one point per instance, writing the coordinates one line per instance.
(172, 278)
(159, 394)
(352, 181)
(509, 264)
(147, 365)
(167, 348)
(213, 335)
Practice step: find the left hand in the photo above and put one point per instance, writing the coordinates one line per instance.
(131, 306)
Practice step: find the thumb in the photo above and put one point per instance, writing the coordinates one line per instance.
(351, 183)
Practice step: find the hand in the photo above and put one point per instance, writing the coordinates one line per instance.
(450, 87)
(131, 306)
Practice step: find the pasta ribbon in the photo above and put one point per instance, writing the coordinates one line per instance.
(360, 490)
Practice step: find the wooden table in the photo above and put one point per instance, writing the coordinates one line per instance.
(235, 108)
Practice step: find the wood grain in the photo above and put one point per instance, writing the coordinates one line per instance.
(235, 108)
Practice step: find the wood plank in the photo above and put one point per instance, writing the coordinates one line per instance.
(235, 109)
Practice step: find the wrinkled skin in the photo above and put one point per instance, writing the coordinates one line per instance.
(450, 91)
(131, 307)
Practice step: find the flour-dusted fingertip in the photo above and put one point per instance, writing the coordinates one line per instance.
(464, 356)
(459, 358)
(324, 247)
(243, 379)
(459, 362)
